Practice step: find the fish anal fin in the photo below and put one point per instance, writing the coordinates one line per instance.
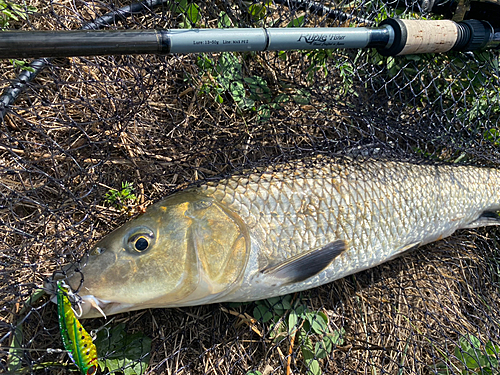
(487, 218)
(405, 249)
(303, 266)
(409, 247)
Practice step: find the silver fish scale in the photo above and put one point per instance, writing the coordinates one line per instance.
(378, 208)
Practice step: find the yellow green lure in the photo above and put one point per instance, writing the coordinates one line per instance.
(75, 339)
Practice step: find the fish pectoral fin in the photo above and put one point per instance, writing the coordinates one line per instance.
(485, 219)
(303, 266)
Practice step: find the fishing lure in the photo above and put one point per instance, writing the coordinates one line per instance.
(76, 340)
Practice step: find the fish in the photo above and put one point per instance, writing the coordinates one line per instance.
(280, 229)
(75, 338)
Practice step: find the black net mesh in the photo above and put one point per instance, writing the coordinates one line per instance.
(84, 126)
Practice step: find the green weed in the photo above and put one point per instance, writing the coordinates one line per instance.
(310, 329)
(10, 11)
(121, 352)
(224, 21)
(317, 61)
(297, 22)
(23, 65)
(493, 135)
(121, 199)
(251, 94)
(189, 12)
(259, 11)
(470, 357)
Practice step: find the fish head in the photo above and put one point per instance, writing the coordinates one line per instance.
(185, 250)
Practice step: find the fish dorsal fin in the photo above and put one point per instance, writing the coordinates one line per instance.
(303, 266)
(485, 219)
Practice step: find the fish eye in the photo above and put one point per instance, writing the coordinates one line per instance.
(141, 244)
(140, 240)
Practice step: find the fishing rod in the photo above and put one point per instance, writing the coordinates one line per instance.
(488, 10)
(394, 37)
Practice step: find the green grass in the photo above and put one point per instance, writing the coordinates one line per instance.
(119, 351)
(307, 329)
(121, 199)
(224, 79)
(470, 357)
(10, 11)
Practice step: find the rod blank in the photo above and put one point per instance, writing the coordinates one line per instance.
(393, 37)
(24, 44)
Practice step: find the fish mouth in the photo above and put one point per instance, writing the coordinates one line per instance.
(90, 306)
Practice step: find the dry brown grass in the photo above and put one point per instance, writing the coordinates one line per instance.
(87, 124)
